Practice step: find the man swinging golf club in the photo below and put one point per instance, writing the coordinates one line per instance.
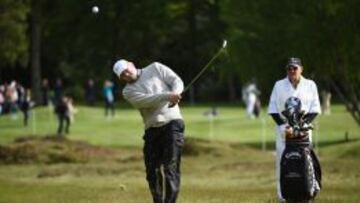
(151, 90)
(156, 91)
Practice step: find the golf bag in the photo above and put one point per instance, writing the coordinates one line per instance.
(257, 107)
(300, 172)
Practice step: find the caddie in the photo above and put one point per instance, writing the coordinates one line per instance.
(293, 85)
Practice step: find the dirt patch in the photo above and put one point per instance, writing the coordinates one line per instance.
(196, 147)
(50, 150)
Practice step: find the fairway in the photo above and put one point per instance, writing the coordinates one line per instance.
(234, 159)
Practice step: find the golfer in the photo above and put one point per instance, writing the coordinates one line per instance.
(152, 90)
(293, 85)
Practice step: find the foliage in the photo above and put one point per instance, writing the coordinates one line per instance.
(77, 44)
(322, 33)
(13, 32)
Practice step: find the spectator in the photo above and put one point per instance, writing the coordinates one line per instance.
(12, 97)
(72, 110)
(90, 92)
(62, 111)
(45, 92)
(250, 94)
(109, 97)
(58, 91)
(326, 102)
(25, 105)
(2, 98)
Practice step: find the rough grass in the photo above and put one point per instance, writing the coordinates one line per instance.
(225, 166)
(50, 150)
(218, 172)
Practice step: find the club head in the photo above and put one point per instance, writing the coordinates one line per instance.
(224, 43)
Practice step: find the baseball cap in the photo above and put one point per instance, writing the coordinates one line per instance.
(120, 66)
(294, 62)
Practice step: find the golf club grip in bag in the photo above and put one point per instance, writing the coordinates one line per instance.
(300, 173)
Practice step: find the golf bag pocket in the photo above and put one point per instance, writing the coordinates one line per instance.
(297, 174)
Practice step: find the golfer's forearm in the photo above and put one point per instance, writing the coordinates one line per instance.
(177, 86)
(308, 118)
(277, 118)
(140, 100)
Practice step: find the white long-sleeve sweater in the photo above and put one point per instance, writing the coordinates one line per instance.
(150, 94)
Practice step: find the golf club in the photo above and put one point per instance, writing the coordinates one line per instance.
(205, 67)
(224, 44)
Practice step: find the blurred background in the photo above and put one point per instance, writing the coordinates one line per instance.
(66, 40)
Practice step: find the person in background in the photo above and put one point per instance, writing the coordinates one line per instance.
(250, 94)
(72, 110)
(2, 98)
(45, 92)
(90, 92)
(62, 111)
(108, 92)
(26, 105)
(12, 97)
(58, 91)
(326, 102)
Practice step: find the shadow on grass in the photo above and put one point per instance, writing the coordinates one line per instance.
(270, 145)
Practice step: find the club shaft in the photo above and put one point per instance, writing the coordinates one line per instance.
(202, 71)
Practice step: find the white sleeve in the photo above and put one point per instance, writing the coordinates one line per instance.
(170, 78)
(142, 100)
(315, 101)
(273, 100)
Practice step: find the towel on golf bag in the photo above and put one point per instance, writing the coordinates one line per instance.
(300, 173)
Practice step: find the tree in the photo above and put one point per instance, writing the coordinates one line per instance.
(13, 32)
(35, 50)
(336, 46)
(322, 33)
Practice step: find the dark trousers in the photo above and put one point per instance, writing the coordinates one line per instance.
(109, 106)
(26, 117)
(63, 119)
(162, 150)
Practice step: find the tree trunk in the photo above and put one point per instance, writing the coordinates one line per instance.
(35, 52)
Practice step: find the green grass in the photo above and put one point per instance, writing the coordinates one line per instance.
(231, 167)
(126, 128)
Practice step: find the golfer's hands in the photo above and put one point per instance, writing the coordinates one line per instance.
(174, 99)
